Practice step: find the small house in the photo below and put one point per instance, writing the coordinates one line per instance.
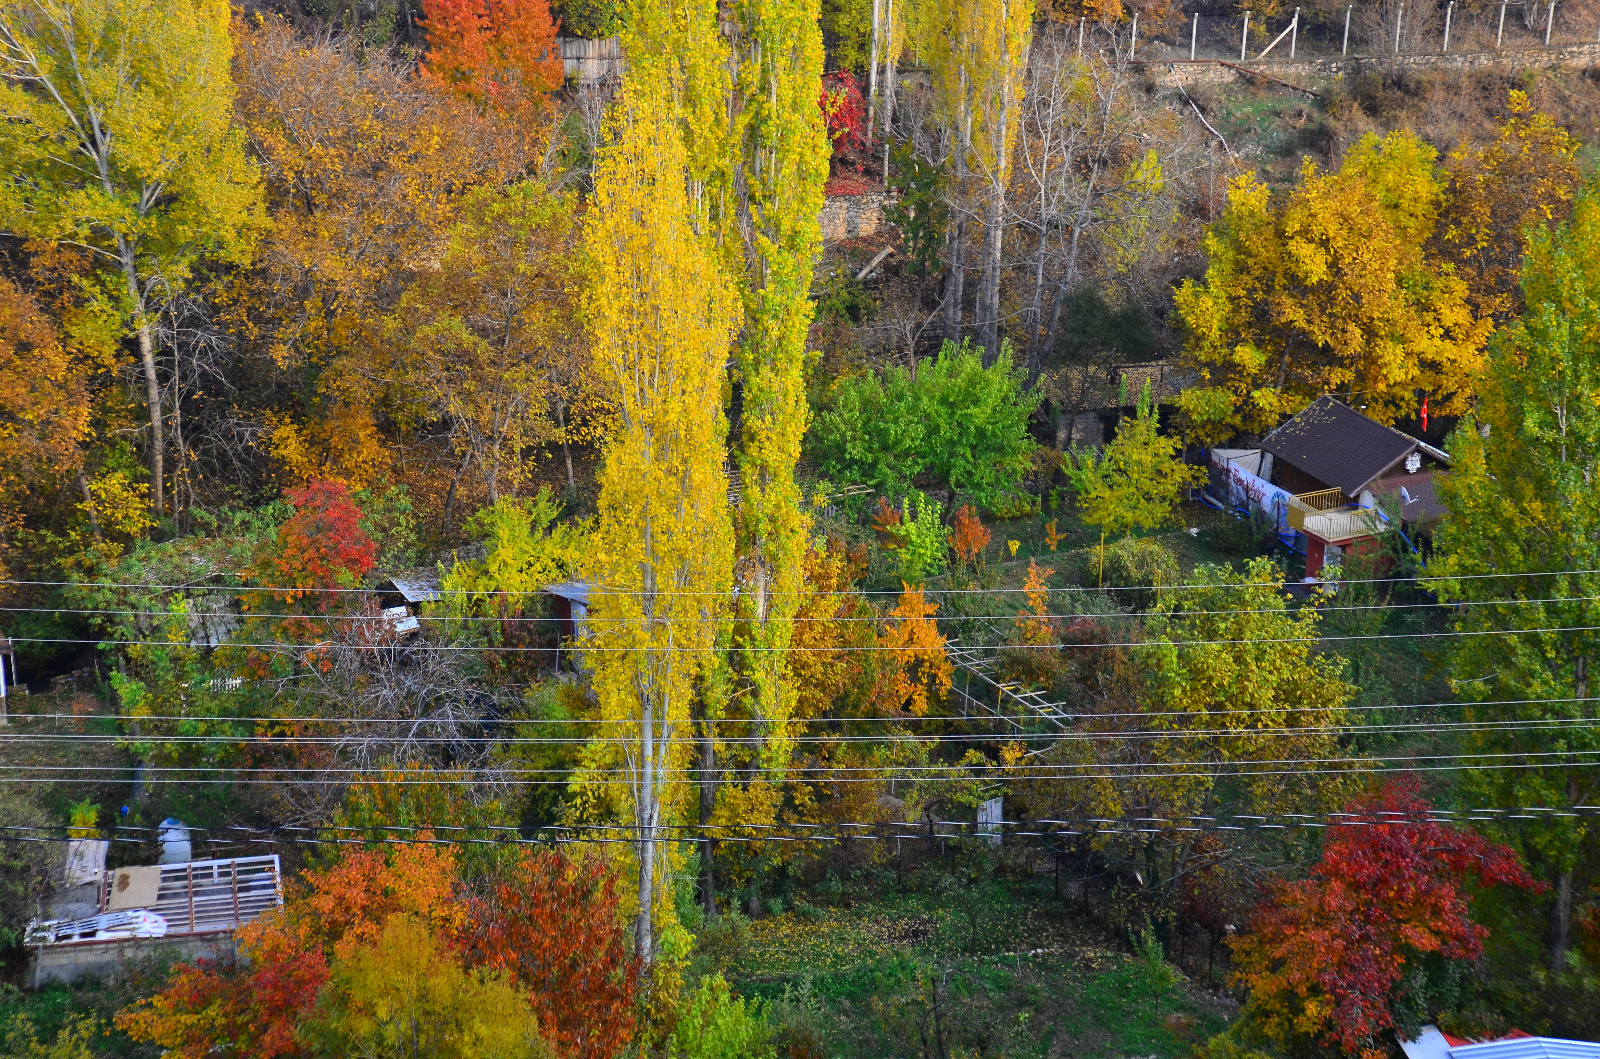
(97, 919)
(1431, 1043)
(1327, 473)
(402, 595)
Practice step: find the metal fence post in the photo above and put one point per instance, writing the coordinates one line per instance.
(1294, 32)
(1081, 21)
(1344, 49)
(1399, 17)
(1549, 21)
(1501, 32)
(1448, 11)
(1133, 42)
(1244, 38)
(1194, 35)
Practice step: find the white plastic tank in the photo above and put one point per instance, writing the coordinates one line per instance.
(174, 842)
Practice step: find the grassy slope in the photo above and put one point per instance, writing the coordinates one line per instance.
(1030, 981)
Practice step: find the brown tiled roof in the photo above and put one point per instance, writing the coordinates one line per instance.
(1338, 446)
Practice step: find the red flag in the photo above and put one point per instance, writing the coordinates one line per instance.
(1424, 413)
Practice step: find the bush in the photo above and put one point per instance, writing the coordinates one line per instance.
(1134, 562)
(715, 1024)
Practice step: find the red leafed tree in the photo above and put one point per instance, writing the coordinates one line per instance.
(1328, 959)
(554, 924)
(322, 545)
(500, 53)
(844, 113)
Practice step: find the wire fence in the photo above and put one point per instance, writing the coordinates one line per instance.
(1391, 28)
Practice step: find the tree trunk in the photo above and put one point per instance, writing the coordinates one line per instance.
(152, 385)
(708, 798)
(1561, 922)
(566, 448)
(989, 293)
(955, 280)
(645, 813)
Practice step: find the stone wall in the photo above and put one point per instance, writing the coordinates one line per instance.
(1311, 71)
(852, 216)
(99, 959)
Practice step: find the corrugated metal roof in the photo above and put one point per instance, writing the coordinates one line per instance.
(415, 586)
(576, 591)
(1528, 1048)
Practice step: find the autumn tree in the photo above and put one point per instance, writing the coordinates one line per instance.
(497, 53)
(490, 334)
(1333, 291)
(977, 51)
(553, 923)
(1498, 195)
(1234, 675)
(118, 122)
(1378, 939)
(915, 671)
(1135, 482)
(662, 317)
(406, 993)
(386, 941)
(44, 407)
(1521, 545)
(366, 167)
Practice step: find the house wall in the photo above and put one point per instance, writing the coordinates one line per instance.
(99, 959)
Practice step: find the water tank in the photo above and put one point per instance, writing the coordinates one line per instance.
(174, 842)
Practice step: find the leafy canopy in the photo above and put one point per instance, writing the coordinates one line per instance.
(1135, 482)
(1332, 291)
(1365, 944)
(954, 419)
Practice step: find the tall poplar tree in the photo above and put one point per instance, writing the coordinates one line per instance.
(757, 156)
(1524, 501)
(116, 137)
(662, 317)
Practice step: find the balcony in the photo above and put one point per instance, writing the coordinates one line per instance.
(1325, 514)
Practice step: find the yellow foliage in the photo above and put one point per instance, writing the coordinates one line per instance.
(1333, 291)
(919, 671)
(662, 317)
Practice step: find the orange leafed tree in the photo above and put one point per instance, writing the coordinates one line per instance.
(918, 670)
(499, 53)
(551, 928)
(968, 535)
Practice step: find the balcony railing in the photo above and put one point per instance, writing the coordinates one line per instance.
(1326, 515)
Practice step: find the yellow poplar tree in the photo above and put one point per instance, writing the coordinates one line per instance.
(661, 316)
(977, 51)
(117, 137)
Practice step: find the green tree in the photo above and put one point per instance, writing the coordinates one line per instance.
(965, 424)
(116, 136)
(1133, 483)
(1524, 509)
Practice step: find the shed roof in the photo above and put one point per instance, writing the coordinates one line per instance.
(576, 591)
(1339, 446)
(414, 586)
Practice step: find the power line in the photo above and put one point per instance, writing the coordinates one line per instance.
(1084, 735)
(1419, 579)
(846, 648)
(592, 620)
(908, 719)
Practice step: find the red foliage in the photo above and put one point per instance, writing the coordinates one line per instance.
(552, 922)
(322, 545)
(1330, 952)
(554, 925)
(844, 113)
(497, 52)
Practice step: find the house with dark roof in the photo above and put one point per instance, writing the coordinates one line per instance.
(1339, 468)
